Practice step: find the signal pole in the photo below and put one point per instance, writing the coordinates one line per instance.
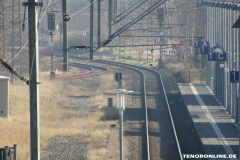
(91, 29)
(34, 78)
(110, 17)
(65, 37)
(52, 74)
(99, 24)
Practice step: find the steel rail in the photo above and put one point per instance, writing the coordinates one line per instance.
(146, 116)
(91, 70)
(143, 98)
(83, 75)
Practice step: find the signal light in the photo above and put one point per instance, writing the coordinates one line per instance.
(161, 14)
(51, 21)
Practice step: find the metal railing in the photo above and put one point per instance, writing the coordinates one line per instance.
(8, 153)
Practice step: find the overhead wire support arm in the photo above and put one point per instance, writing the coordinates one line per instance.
(79, 46)
(121, 30)
(166, 36)
(13, 71)
(86, 47)
(147, 45)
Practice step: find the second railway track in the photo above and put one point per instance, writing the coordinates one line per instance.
(93, 71)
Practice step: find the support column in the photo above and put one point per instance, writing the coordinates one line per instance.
(91, 29)
(121, 134)
(110, 17)
(34, 80)
(99, 24)
(51, 51)
(115, 10)
(207, 63)
(20, 43)
(237, 59)
(238, 121)
(65, 37)
(230, 59)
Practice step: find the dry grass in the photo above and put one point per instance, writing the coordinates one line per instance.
(183, 70)
(53, 95)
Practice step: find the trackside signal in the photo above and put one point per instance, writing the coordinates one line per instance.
(161, 14)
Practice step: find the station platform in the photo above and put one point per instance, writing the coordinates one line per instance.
(214, 126)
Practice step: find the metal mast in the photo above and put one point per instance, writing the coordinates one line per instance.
(121, 39)
(149, 21)
(16, 34)
(2, 30)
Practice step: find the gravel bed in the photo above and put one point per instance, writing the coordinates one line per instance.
(66, 148)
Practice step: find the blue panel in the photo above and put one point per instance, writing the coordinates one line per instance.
(221, 56)
(212, 56)
(234, 76)
(198, 44)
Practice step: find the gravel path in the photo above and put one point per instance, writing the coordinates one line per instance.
(66, 148)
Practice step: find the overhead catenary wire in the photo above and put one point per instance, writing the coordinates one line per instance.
(83, 9)
(78, 7)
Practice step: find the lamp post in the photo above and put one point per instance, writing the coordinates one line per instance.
(120, 107)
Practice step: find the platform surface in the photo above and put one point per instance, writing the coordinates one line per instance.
(218, 133)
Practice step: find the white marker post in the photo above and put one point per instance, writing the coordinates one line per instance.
(120, 106)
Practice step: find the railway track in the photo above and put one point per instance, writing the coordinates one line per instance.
(93, 71)
(160, 140)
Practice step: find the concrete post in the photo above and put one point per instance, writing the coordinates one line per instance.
(110, 17)
(230, 59)
(65, 37)
(115, 10)
(99, 24)
(51, 51)
(233, 67)
(34, 80)
(91, 29)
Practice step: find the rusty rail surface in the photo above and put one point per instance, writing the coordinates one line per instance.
(83, 75)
